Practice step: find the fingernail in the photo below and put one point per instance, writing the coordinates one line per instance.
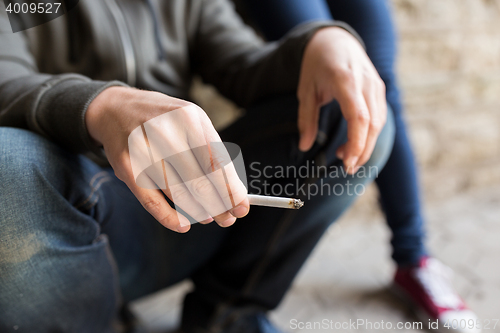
(230, 221)
(210, 219)
(182, 229)
(183, 222)
(239, 211)
(340, 155)
(351, 161)
(302, 147)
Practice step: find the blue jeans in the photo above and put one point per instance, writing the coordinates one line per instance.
(398, 183)
(75, 244)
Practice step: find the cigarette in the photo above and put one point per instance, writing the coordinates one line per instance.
(278, 202)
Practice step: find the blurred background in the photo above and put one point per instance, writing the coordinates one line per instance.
(449, 71)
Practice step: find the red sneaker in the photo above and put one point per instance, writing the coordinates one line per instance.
(428, 287)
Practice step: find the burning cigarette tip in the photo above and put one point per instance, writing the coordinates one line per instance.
(297, 203)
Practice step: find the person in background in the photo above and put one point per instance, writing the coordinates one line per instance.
(421, 278)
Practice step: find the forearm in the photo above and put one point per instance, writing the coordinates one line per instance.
(52, 106)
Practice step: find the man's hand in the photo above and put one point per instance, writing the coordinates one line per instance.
(335, 66)
(186, 133)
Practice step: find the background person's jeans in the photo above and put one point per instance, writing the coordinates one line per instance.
(75, 243)
(372, 19)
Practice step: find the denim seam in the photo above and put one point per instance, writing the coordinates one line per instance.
(88, 203)
(93, 198)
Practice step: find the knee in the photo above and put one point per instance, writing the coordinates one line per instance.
(46, 243)
(30, 163)
(21, 151)
(34, 186)
(385, 141)
(23, 169)
(21, 195)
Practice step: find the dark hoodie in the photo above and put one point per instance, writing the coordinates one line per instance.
(51, 73)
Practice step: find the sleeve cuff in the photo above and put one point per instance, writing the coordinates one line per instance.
(61, 108)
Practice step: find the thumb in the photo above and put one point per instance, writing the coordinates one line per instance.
(308, 121)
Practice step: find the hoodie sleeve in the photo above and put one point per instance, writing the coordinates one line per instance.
(229, 55)
(51, 105)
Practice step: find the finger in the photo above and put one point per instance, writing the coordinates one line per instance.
(225, 180)
(242, 208)
(340, 152)
(214, 157)
(177, 191)
(375, 124)
(205, 193)
(154, 202)
(161, 175)
(356, 113)
(219, 168)
(202, 188)
(382, 102)
(308, 118)
(225, 219)
(198, 184)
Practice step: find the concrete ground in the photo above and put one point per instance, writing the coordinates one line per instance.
(348, 275)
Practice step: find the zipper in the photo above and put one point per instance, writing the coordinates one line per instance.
(126, 40)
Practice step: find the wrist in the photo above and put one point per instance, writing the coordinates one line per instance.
(100, 108)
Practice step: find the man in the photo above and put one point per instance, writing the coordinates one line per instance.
(76, 245)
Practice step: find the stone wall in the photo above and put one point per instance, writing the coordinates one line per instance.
(449, 70)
